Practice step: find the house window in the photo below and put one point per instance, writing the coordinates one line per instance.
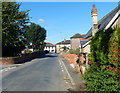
(99, 26)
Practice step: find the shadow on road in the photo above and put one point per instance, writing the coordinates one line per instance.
(48, 55)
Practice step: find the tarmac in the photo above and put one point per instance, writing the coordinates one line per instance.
(77, 78)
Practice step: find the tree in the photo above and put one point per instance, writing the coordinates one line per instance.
(13, 24)
(35, 35)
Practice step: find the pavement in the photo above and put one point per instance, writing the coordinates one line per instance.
(49, 73)
(77, 77)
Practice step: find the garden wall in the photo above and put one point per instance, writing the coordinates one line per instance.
(71, 58)
(20, 59)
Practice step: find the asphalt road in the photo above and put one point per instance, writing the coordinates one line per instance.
(40, 74)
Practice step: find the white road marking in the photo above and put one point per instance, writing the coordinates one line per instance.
(60, 61)
(73, 83)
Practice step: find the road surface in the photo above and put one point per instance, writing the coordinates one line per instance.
(40, 74)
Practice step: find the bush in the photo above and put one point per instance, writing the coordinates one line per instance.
(105, 52)
(101, 80)
(74, 51)
(114, 49)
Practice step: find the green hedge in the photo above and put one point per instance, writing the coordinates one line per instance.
(101, 80)
(74, 51)
(105, 46)
(114, 49)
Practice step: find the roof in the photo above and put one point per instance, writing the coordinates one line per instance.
(49, 45)
(77, 35)
(103, 22)
(64, 42)
(82, 42)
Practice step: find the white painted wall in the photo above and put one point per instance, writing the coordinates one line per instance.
(59, 47)
(50, 49)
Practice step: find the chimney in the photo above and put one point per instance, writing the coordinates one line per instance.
(94, 20)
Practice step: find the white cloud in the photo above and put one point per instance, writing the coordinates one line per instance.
(41, 20)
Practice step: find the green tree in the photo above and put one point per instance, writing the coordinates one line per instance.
(13, 23)
(35, 35)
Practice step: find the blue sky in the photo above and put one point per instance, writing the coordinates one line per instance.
(63, 19)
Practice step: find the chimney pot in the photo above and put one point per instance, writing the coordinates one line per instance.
(94, 6)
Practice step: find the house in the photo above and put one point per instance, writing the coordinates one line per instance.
(110, 20)
(50, 47)
(63, 45)
(75, 40)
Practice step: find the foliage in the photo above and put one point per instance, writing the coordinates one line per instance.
(104, 53)
(64, 48)
(99, 46)
(35, 35)
(74, 51)
(114, 49)
(16, 34)
(101, 80)
(13, 23)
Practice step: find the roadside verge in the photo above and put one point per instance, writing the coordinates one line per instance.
(77, 82)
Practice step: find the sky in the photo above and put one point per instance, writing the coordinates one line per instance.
(64, 19)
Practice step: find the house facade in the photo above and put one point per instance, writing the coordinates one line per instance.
(63, 45)
(75, 40)
(50, 47)
(112, 19)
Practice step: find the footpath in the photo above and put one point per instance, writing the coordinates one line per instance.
(77, 78)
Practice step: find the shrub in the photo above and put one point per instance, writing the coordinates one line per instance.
(74, 51)
(114, 49)
(105, 52)
(101, 80)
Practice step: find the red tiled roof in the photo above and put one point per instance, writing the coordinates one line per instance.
(49, 44)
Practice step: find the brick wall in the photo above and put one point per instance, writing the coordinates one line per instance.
(71, 58)
(20, 59)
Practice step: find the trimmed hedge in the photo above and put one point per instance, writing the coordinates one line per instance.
(105, 53)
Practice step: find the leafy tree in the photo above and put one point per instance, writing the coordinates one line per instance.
(13, 23)
(35, 35)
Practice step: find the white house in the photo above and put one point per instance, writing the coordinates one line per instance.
(65, 44)
(50, 47)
